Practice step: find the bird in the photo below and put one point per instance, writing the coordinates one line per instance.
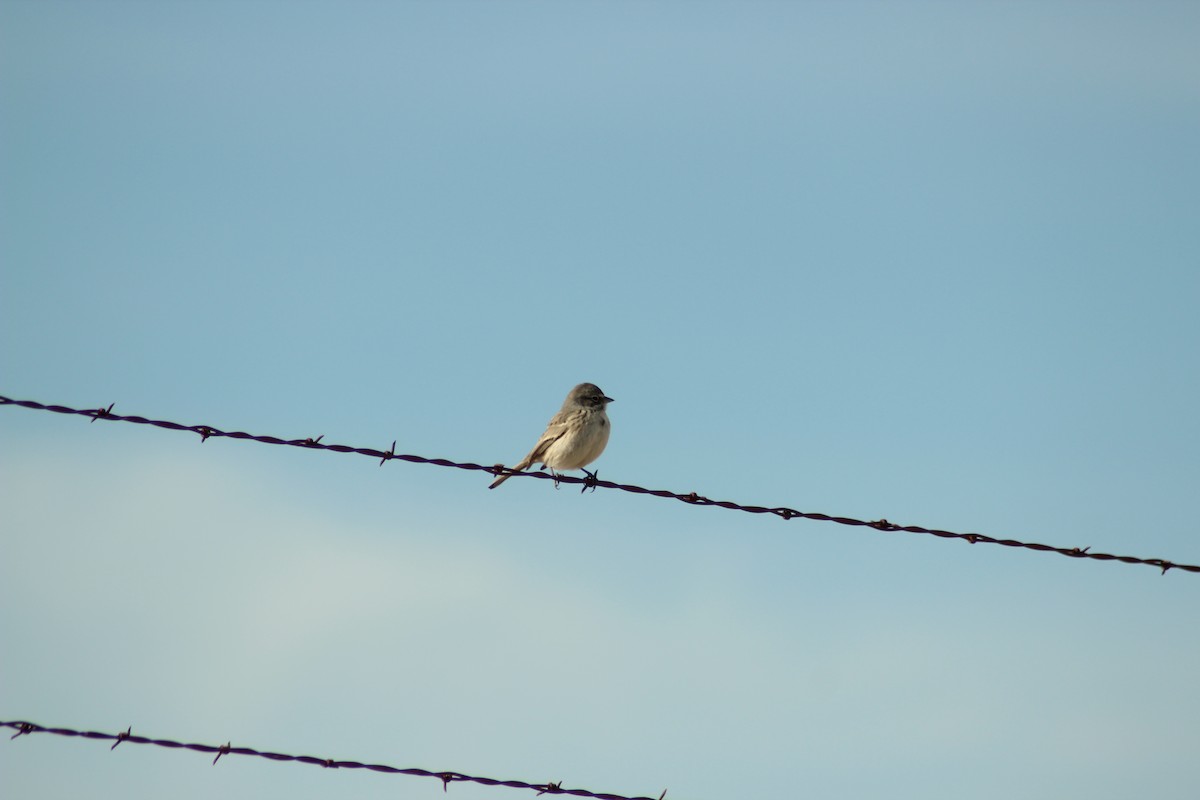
(575, 436)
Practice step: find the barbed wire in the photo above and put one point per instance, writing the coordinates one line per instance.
(446, 777)
(207, 432)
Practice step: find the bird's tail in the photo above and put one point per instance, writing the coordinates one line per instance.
(523, 465)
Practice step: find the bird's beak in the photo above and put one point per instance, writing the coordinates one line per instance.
(607, 399)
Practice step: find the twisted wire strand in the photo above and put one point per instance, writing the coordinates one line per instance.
(692, 498)
(446, 777)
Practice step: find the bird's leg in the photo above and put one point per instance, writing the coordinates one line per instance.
(555, 474)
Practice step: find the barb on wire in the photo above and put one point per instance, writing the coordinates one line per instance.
(882, 525)
(23, 728)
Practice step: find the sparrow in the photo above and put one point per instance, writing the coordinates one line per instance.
(575, 437)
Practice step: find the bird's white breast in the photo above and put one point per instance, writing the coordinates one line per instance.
(581, 446)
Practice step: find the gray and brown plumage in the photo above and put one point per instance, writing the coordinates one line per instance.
(576, 435)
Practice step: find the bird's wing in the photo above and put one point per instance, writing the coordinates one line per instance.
(554, 431)
(558, 427)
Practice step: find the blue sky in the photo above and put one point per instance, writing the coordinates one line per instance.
(934, 262)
